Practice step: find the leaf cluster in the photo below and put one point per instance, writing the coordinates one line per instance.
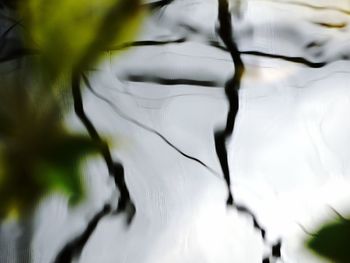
(38, 154)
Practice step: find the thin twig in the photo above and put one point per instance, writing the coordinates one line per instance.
(115, 169)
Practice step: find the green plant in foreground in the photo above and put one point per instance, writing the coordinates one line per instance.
(71, 34)
(332, 241)
(37, 154)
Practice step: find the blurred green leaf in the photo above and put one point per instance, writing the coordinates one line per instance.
(333, 241)
(49, 163)
(37, 155)
(59, 169)
(72, 34)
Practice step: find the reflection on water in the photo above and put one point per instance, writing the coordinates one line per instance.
(168, 108)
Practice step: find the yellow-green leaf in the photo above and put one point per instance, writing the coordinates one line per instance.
(71, 34)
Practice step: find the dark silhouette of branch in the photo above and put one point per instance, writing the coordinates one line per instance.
(74, 248)
(158, 4)
(115, 169)
(9, 51)
(146, 43)
(225, 32)
(307, 232)
(7, 31)
(143, 126)
(256, 224)
(276, 249)
(299, 60)
(171, 81)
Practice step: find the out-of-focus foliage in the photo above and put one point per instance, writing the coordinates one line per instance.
(71, 34)
(332, 241)
(37, 154)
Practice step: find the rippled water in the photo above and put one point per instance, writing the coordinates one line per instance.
(161, 102)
